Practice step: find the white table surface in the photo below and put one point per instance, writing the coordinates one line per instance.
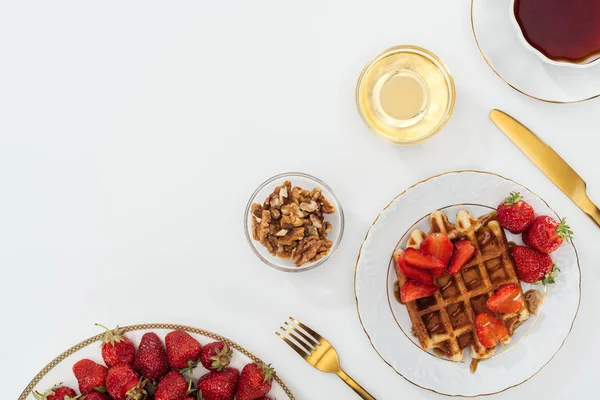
(133, 133)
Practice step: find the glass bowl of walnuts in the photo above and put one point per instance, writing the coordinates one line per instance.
(294, 222)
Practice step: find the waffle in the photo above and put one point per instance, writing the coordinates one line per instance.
(446, 320)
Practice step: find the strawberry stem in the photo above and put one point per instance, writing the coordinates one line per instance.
(190, 370)
(268, 372)
(514, 198)
(551, 277)
(564, 231)
(111, 336)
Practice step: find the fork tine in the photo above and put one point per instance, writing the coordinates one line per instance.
(310, 341)
(314, 334)
(301, 352)
(306, 346)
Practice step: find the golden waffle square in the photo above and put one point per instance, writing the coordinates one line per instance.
(446, 320)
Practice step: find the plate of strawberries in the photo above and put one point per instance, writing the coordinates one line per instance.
(468, 283)
(157, 361)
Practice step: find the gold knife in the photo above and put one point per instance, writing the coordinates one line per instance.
(548, 161)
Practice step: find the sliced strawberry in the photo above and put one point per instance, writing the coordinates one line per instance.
(412, 290)
(418, 259)
(421, 275)
(438, 244)
(507, 299)
(490, 330)
(463, 253)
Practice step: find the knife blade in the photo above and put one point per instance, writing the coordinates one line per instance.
(548, 161)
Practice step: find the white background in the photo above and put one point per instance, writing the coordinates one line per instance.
(133, 133)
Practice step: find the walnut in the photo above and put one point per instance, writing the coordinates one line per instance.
(256, 211)
(283, 193)
(315, 194)
(316, 222)
(275, 201)
(291, 237)
(275, 213)
(290, 223)
(326, 206)
(309, 207)
(263, 229)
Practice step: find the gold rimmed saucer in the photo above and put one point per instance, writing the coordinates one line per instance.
(502, 48)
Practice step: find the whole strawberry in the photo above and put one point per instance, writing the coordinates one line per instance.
(116, 348)
(255, 381)
(123, 383)
(57, 392)
(534, 266)
(215, 356)
(96, 396)
(151, 358)
(514, 214)
(218, 385)
(172, 387)
(182, 349)
(90, 376)
(546, 235)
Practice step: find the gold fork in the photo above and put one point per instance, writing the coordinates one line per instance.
(318, 352)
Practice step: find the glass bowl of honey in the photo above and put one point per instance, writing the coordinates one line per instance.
(405, 95)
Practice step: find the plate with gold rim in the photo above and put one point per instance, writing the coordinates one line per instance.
(59, 370)
(386, 321)
(503, 49)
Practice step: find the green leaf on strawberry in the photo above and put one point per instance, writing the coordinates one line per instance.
(550, 277)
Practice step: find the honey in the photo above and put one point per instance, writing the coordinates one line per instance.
(405, 95)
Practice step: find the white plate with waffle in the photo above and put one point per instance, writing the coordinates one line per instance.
(534, 340)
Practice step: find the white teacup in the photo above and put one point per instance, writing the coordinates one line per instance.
(593, 60)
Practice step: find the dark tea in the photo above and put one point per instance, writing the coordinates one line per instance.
(562, 30)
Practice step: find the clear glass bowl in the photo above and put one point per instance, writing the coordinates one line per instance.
(305, 181)
(421, 111)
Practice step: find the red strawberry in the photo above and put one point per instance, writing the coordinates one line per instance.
(421, 275)
(218, 385)
(57, 393)
(182, 349)
(413, 290)
(534, 266)
(151, 358)
(507, 299)
(546, 235)
(172, 387)
(514, 214)
(490, 330)
(255, 381)
(116, 348)
(438, 244)
(90, 376)
(462, 255)
(123, 383)
(96, 396)
(216, 356)
(418, 259)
